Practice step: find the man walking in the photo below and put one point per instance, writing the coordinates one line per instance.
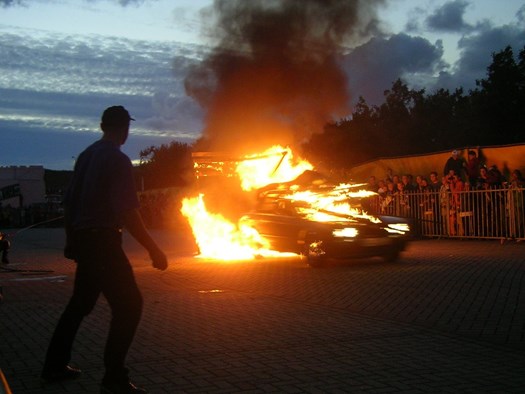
(99, 202)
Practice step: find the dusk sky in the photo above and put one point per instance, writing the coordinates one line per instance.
(63, 61)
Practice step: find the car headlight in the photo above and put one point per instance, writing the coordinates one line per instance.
(347, 232)
(398, 228)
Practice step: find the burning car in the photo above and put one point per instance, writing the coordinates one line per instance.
(296, 210)
(317, 220)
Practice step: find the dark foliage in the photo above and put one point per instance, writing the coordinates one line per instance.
(412, 122)
(164, 166)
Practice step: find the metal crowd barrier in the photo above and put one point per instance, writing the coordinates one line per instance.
(492, 214)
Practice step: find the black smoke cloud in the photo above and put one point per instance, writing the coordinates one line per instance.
(274, 76)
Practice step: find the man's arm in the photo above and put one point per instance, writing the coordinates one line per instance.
(135, 225)
(69, 252)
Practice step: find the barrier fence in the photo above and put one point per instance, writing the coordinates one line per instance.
(492, 214)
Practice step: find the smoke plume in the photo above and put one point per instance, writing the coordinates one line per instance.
(274, 76)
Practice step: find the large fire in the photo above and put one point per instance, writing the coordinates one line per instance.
(221, 239)
(272, 166)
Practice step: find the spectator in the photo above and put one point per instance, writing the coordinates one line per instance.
(433, 189)
(381, 188)
(408, 187)
(434, 185)
(422, 184)
(483, 180)
(396, 180)
(387, 202)
(456, 224)
(372, 184)
(419, 178)
(516, 204)
(516, 180)
(454, 163)
(404, 207)
(444, 205)
(495, 178)
(472, 167)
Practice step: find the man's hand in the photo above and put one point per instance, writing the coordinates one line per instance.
(135, 225)
(159, 259)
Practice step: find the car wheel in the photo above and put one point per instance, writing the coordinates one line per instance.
(315, 255)
(392, 256)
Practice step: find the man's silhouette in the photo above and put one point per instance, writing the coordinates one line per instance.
(99, 202)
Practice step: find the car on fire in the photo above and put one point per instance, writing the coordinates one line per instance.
(295, 225)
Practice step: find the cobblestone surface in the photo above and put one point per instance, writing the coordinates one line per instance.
(448, 317)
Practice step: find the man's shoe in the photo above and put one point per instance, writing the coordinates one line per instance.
(58, 374)
(121, 388)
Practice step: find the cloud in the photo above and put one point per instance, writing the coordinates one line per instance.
(96, 67)
(57, 85)
(449, 17)
(172, 112)
(8, 3)
(476, 53)
(124, 3)
(520, 15)
(372, 67)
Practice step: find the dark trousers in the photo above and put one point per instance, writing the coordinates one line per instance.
(102, 267)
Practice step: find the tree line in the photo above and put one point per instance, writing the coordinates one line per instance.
(408, 122)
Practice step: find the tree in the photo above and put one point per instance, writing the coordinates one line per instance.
(500, 98)
(439, 121)
(395, 119)
(165, 166)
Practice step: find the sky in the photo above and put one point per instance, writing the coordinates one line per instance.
(62, 62)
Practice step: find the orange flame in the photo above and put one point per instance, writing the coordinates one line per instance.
(220, 239)
(274, 165)
(332, 204)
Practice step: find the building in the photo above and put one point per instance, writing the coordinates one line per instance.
(22, 186)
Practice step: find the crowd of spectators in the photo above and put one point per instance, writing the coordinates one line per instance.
(440, 199)
(457, 174)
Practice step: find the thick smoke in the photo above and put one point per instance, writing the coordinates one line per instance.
(274, 76)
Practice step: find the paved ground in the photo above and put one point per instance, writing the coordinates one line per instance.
(449, 317)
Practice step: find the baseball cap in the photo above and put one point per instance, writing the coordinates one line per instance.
(116, 115)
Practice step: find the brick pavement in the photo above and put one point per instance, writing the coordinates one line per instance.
(449, 317)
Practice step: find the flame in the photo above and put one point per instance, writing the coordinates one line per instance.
(332, 204)
(220, 239)
(274, 165)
